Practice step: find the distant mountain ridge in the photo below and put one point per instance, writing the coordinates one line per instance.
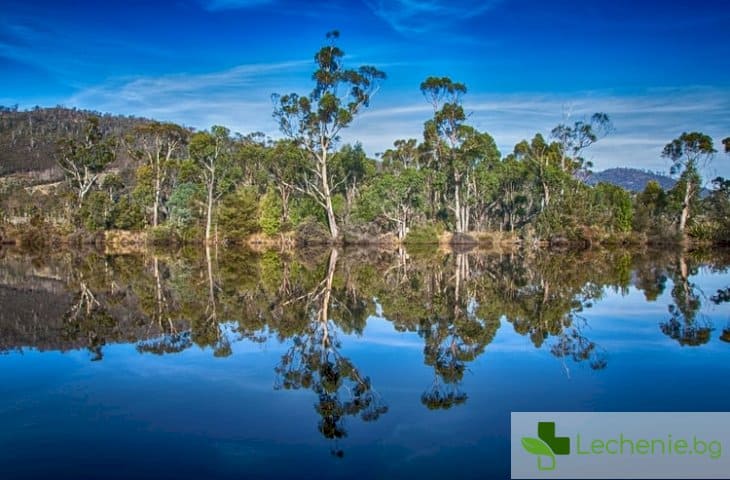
(631, 179)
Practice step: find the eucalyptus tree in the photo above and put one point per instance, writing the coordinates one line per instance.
(543, 160)
(315, 121)
(285, 161)
(457, 148)
(352, 165)
(212, 153)
(82, 161)
(404, 154)
(479, 158)
(576, 138)
(688, 153)
(159, 146)
(397, 196)
(443, 133)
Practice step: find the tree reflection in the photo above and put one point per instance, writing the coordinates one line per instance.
(314, 362)
(165, 302)
(683, 325)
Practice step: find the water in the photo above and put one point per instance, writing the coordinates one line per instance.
(331, 364)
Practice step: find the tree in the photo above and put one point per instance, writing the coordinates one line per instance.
(353, 167)
(543, 160)
(444, 134)
(315, 121)
(575, 139)
(212, 153)
(285, 162)
(403, 155)
(83, 161)
(687, 153)
(158, 145)
(397, 196)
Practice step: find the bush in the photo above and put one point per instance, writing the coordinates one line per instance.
(95, 213)
(271, 211)
(312, 232)
(238, 215)
(127, 214)
(183, 205)
(163, 235)
(424, 234)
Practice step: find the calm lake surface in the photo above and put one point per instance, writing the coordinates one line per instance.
(332, 364)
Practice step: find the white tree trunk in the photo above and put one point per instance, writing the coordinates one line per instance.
(685, 207)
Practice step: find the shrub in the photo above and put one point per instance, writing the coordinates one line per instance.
(238, 215)
(270, 213)
(312, 232)
(163, 235)
(424, 234)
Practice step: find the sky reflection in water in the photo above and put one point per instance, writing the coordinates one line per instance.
(333, 364)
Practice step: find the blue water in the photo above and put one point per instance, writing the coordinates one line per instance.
(194, 415)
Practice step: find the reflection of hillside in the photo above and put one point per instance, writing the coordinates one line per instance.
(32, 317)
(60, 302)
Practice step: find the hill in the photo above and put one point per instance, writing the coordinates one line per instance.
(28, 138)
(631, 179)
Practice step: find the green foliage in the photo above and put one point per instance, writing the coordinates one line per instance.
(316, 121)
(238, 215)
(96, 211)
(83, 160)
(650, 207)
(127, 214)
(303, 208)
(185, 205)
(164, 235)
(424, 234)
(270, 212)
(615, 207)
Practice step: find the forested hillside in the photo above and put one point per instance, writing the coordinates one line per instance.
(29, 138)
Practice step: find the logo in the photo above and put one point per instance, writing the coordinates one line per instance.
(546, 445)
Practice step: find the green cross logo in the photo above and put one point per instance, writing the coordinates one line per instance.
(546, 445)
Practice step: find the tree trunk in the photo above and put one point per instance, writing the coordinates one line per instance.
(685, 207)
(331, 220)
(457, 210)
(324, 309)
(284, 193)
(156, 205)
(209, 219)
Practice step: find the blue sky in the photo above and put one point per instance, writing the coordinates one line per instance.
(656, 67)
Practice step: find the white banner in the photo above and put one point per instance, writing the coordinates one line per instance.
(662, 445)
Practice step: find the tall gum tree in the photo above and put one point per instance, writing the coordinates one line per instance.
(82, 161)
(576, 138)
(315, 121)
(443, 133)
(688, 153)
(212, 153)
(158, 145)
(458, 148)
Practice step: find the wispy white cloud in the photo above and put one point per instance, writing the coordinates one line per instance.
(644, 121)
(410, 17)
(240, 98)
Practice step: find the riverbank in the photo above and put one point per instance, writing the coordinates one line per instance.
(120, 241)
